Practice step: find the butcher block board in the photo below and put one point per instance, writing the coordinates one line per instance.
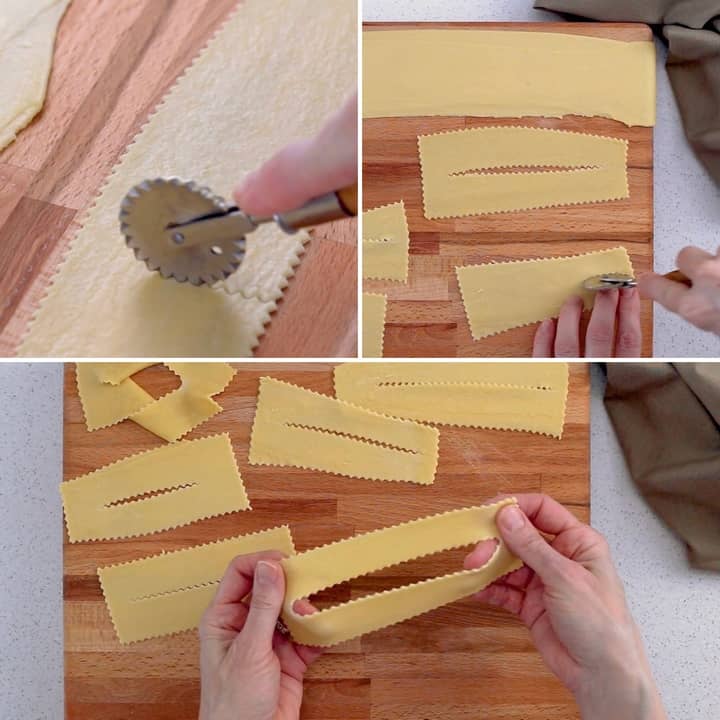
(464, 660)
(113, 64)
(426, 318)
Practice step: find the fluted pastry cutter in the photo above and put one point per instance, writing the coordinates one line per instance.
(185, 232)
(617, 281)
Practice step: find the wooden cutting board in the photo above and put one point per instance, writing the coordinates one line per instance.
(458, 662)
(113, 63)
(425, 318)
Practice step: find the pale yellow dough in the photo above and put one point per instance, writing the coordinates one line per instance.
(323, 567)
(501, 296)
(500, 395)
(386, 242)
(373, 324)
(109, 395)
(168, 593)
(298, 427)
(587, 168)
(504, 73)
(27, 39)
(193, 479)
(255, 88)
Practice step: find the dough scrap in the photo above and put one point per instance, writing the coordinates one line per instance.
(386, 243)
(505, 73)
(27, 39)
(502, 296)
(373, 324)
(117, 397)
(103, 302)
(190, 480)
(168, 593)
(495, 395)
(106, 403)
(457, 182)
(298, 427)
(323, 567)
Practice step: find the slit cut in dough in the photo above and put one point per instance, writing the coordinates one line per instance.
(502, 296)
(157, 490)
(459, 170)
(373, 323)
(168, 593)
(109, 395)
(27, 39)
(505, 396)
(408, 73)
(386, 242)
(102, 301)
(298, 427)
(323, 567)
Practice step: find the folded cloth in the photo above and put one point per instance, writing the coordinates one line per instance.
(667, 419)
(692, 31)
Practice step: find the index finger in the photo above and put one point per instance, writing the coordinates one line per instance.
(668, 293)
(546, 514)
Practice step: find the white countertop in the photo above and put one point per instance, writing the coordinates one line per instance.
(675, 606)
(687, 202)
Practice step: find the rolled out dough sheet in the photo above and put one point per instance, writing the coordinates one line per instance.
(373, 324)
(298, 427)
(386, 242)
(109, 395)
(323, 567)
(497, 395)
(502, 296)
(27, 39)
(169, 593)
(254, 89)
(457, 180)
(189, 481)
(506, 73)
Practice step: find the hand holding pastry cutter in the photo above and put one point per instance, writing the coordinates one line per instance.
(617, 281)
(185, 232)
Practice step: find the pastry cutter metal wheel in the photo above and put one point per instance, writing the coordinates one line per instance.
(616, 281)
(185, 232)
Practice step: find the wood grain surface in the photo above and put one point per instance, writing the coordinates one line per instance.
(426, 318)
(114, 61)
(465, 661)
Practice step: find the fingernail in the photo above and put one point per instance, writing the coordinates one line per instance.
(511, 518)
(628, 293)
(264, 573)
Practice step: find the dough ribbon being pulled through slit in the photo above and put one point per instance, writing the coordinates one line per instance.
(323, 567)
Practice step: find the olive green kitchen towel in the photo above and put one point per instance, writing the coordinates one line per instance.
(691, 29)
(667, 419)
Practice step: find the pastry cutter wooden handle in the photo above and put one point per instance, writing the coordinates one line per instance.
(184, 232)
(616, 281)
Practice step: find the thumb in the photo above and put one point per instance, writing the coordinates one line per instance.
(521, 536)
(266, 601)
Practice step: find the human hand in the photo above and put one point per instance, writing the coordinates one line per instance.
(613, 331)
(700, 304)
(249, 670)
(572, 601)
(306, 169)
